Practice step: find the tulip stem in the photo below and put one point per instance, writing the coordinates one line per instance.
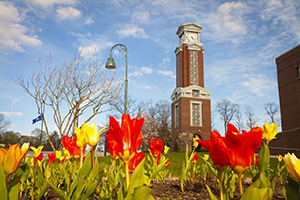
(127, 175)
(93, 154)
(33, 179)
(241, 184)
(81, 158)
(6, 178)
(75, 165)
(221, 184)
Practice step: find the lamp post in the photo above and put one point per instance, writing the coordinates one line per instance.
(110, 64)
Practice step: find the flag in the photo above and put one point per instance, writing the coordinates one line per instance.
(39, 118)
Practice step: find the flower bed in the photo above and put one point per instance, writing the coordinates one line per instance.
(136, 175)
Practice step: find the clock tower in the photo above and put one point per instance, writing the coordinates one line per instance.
(191, 109)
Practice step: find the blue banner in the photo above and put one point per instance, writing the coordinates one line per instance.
(39, 118)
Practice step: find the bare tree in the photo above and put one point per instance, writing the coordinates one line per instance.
(41, 135)
(239, 122)
(251, 120)
(149, 129)
(161, 111)
(272, 111)
(117, 107)
(70, 90)
(4, 123)
(227, 110)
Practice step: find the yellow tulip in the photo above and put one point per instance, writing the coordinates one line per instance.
(3, 153)
(59, 156)
(25, 148)
(37, 151)
(270, 132)
(195, 143)
(11, 159)
(206, 156)
(166, 149)
(279, 157)
(67, 154)
(81, 138)
(292, 164)
(92, 133)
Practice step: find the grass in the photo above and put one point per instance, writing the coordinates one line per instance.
(177, 158)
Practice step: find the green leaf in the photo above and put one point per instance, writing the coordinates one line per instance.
(186, 153)
(292, 189)
(141, 192)
(42, 191)
(265, 182)
(78, 191)
(13, 193)
(264, 158)
(87, 165)
(212, 196)
(211, 167)
(90, 190)
(122, 192)
(3, 189)
(58, 191)
(158, 169)
(251, 193)
(137, 177)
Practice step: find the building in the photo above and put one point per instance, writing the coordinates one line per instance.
(288, 72)
(191, 106)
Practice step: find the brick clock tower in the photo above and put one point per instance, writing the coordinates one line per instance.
(191, 109)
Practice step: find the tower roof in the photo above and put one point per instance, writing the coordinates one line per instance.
(192, 26)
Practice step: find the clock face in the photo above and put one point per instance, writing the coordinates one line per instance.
(192, 37)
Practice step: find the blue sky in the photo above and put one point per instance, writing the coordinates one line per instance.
(241, 41)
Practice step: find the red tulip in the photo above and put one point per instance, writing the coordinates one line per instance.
(39, 157)
(218, 150)
(51, 157)
(158, 160)
(168, 163)
(242, 147)
(195, 158)
(135, 161)
(256, 161)
(124, 141)
(156, 146)
(71, 146)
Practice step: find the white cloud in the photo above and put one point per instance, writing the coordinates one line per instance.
(132, 30)
(89, 45)
(89, 21)
(287, 20)
(12, 113)
(259, 85)
(140, 17)
(15, 101)
(89, 51)
(14, 35)
(68, 13)
(140, 71)
(167, 73)
(136, 73)
(148, 87)
(46, 4)
(228, 22)
(147, 70)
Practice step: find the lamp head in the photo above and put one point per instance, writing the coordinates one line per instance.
(110, 63)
